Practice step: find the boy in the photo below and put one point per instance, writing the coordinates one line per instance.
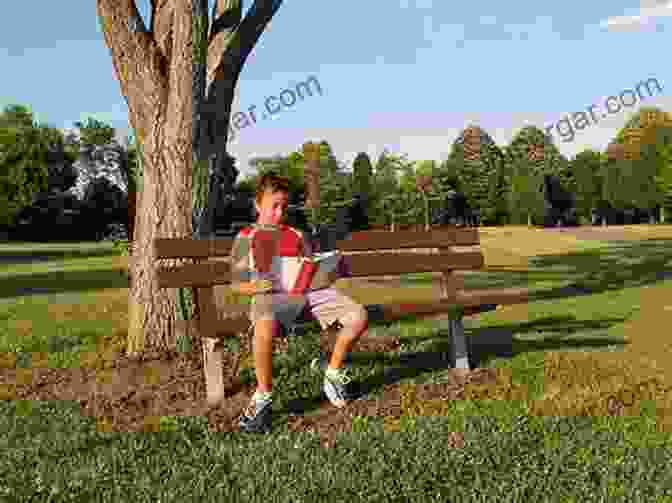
(269, 310)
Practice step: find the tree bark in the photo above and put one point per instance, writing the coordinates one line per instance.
(132, 205)
(165, 213)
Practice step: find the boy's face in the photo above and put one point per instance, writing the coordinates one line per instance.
(272, 208)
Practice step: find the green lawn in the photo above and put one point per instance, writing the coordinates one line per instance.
(568, 352)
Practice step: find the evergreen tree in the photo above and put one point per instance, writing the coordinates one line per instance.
(362, 171)
(476, 158)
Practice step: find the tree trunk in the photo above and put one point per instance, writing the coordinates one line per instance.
(164, 209)
(132, 204)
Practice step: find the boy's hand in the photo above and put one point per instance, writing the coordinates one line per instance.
(254, 287)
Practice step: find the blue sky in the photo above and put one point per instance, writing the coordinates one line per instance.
(396, 74)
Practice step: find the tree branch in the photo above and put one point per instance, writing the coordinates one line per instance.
(221, 36)
(254, 24)
(226, 21)
(222, 80)
(140, 66)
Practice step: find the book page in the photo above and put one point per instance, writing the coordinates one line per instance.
(286, 270)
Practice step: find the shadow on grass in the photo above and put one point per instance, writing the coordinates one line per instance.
(62, 282)
(18, 256)
(624, 264)
(484, 344)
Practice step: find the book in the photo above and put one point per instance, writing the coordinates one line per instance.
(290, 274)
(316, 272)
(298, 274)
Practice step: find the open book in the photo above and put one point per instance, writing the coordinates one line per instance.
(298, 274)
(290, 273)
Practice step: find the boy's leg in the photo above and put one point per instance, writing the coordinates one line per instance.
(264, 330)
(347, 337)
(329, 305)
(268, 311)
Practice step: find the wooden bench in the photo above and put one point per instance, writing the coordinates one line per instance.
(446, 250)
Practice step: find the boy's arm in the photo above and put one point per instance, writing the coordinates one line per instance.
(240, 271)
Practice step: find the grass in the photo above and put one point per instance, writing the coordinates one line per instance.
(540, 433)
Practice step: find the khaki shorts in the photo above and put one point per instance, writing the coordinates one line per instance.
(327, 306)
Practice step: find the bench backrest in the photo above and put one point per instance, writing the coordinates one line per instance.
(370, 253)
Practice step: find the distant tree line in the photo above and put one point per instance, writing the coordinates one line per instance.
(83, 185)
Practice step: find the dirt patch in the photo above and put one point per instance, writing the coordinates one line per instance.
(132, 395)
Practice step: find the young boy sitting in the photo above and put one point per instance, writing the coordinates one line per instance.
(271, 308)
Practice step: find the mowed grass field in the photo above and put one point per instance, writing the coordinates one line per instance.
(598, 338)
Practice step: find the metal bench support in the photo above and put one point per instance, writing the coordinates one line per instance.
(459, 344)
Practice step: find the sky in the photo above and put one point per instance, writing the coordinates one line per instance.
(396, 74)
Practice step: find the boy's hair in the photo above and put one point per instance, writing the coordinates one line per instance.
(273, 182)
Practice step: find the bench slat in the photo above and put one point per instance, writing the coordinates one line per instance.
(383, 240)
(503, 296)
(195, 275)
(192, 248)
(390, 264)
(212, 272)
(174, 248)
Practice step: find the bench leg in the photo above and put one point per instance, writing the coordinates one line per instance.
(459, 344)
(214, 372)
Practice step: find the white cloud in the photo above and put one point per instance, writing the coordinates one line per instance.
(648, 12)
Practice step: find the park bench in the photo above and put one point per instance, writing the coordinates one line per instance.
(447, 251)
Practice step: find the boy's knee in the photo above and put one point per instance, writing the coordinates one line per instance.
(357, 316)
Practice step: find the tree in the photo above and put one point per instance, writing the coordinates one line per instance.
(497, 209)
(532, 151)
(615, 190)
(100, 154)
(18, 116)
(476, 158)
(33, 161)
(179, 82)
(20, 178)
(362, 172)
(646, 139)
(587, 184)
(664, 180)
(104, 199)
(386, 185)
(424, 186)
(526, 192)
(336, 187)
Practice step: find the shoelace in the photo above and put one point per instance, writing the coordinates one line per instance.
(251, 408)
(343, 376)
